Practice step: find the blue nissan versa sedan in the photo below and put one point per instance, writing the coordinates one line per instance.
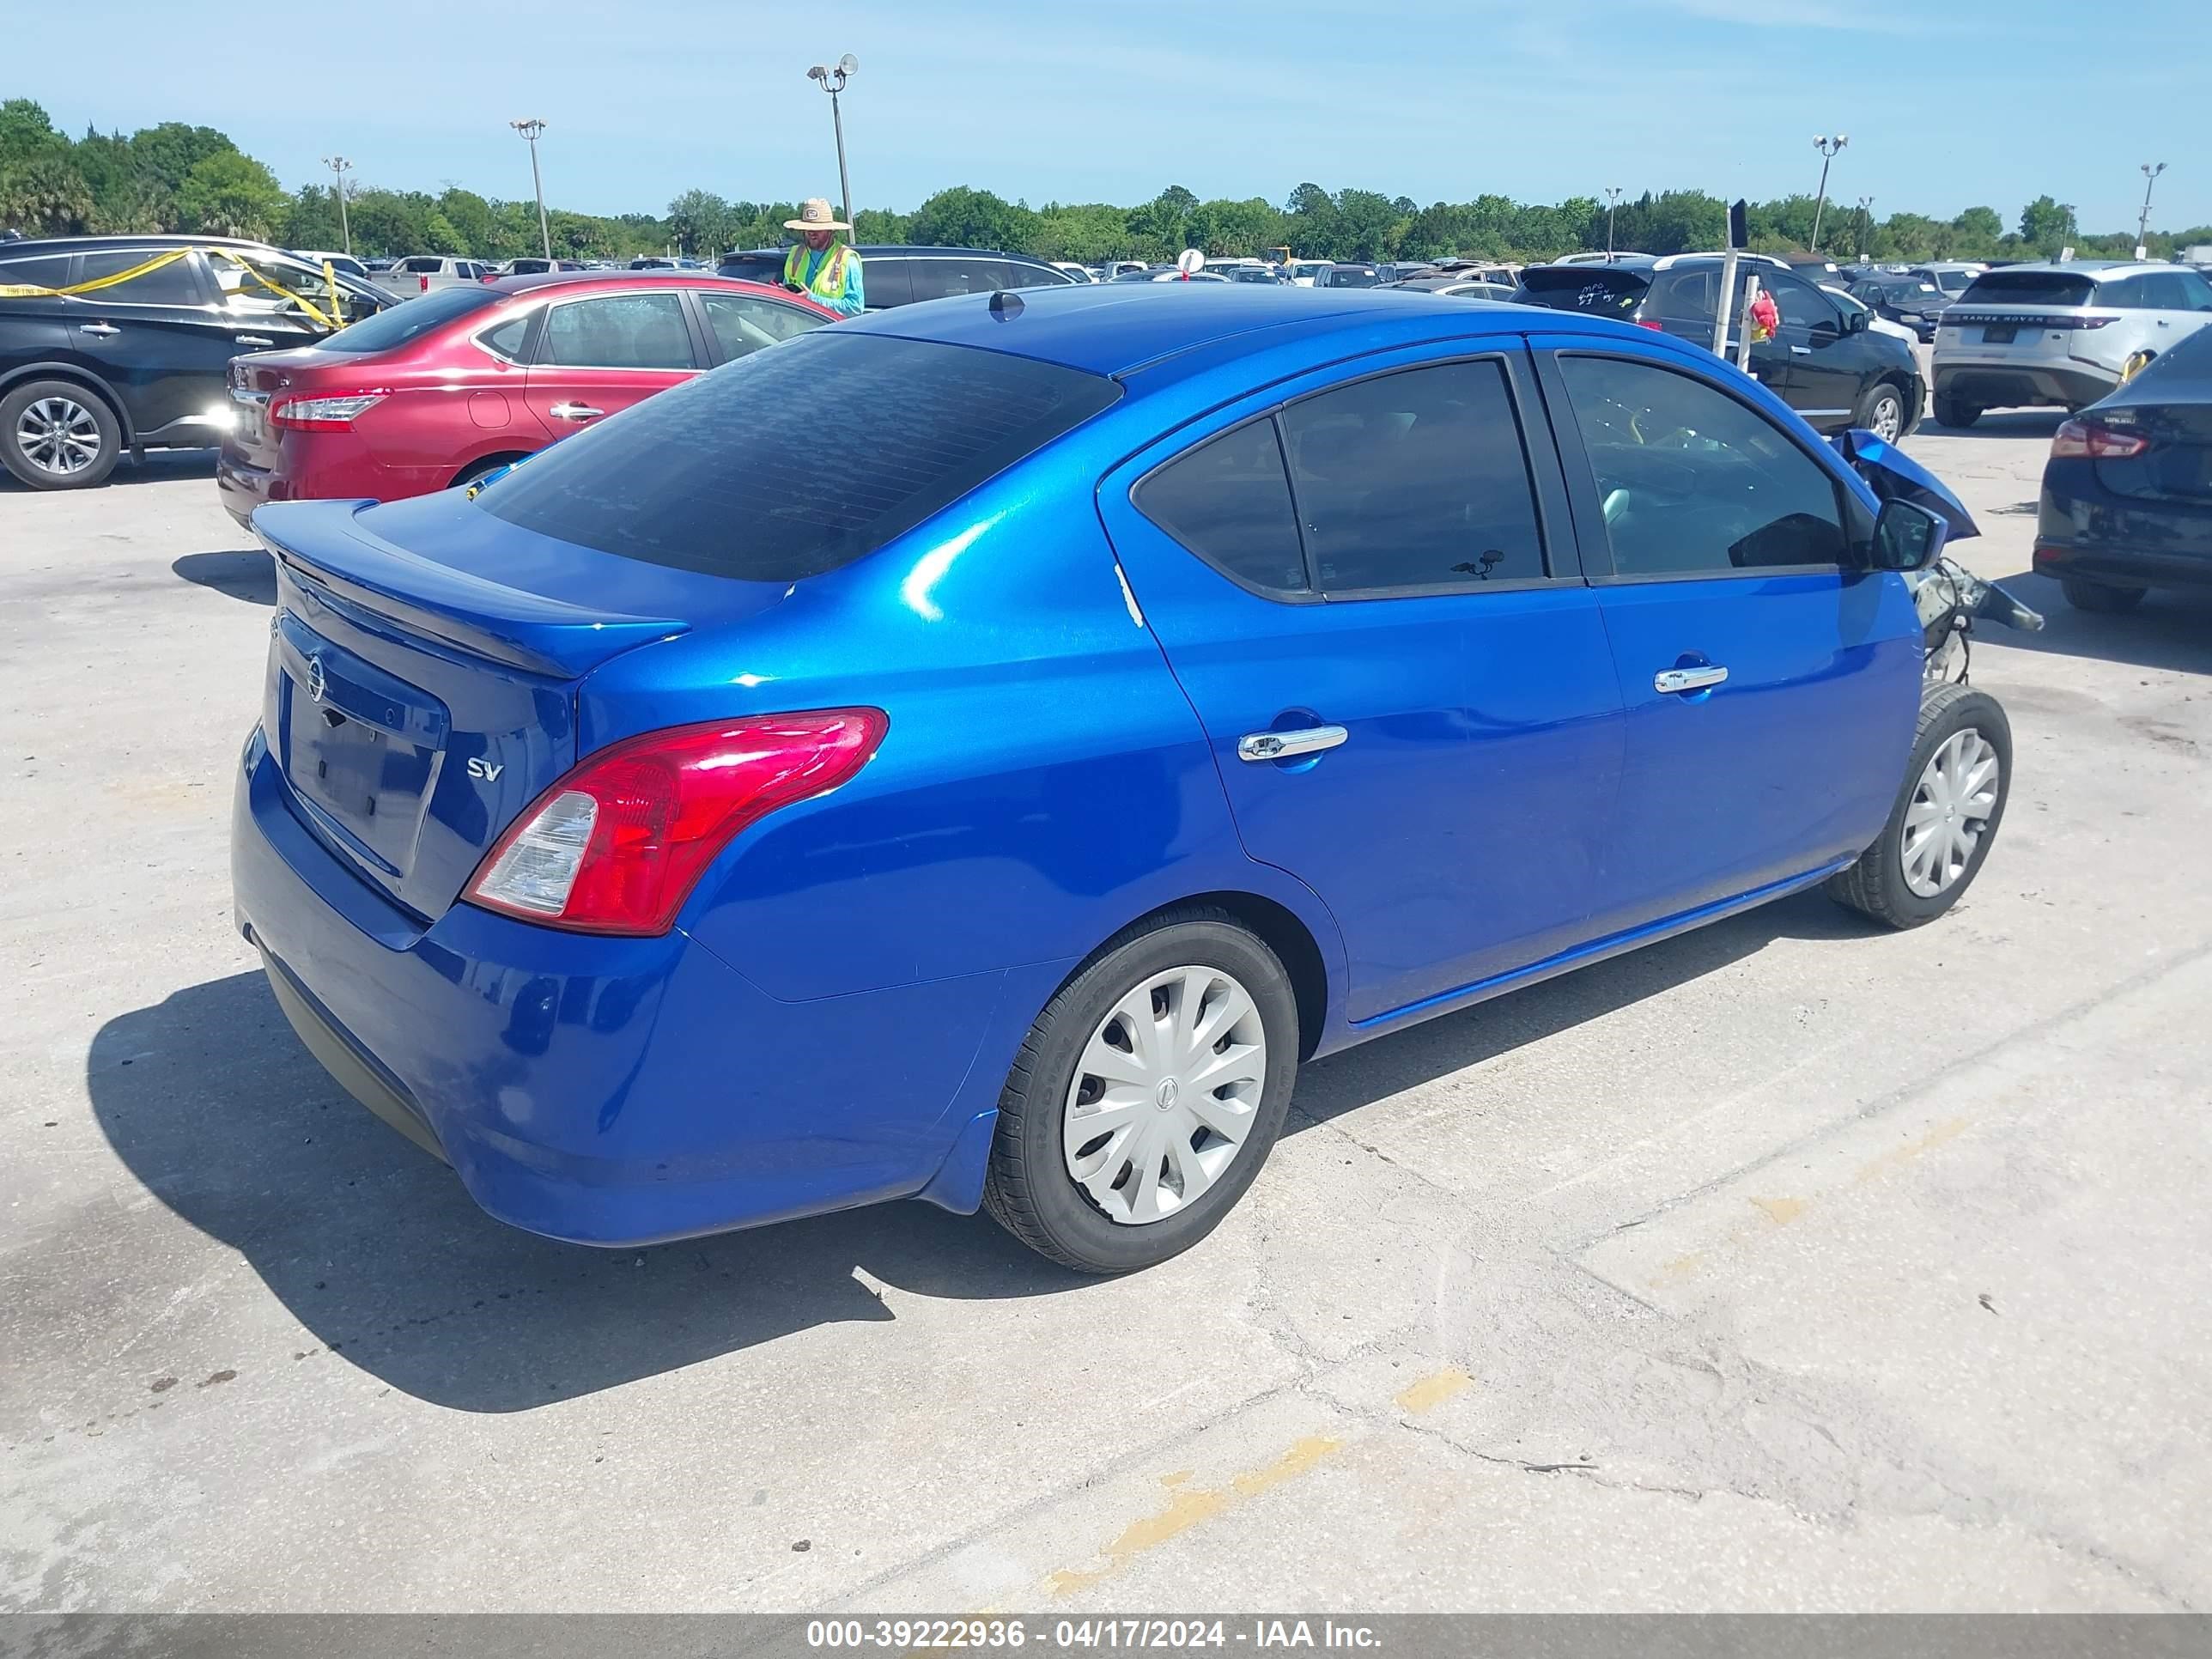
(977, 751)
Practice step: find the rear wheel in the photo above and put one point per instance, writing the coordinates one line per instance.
(475, 471)
(1881, 412)
(1956, 783)
(2100, 597)
(1950, 411)
(1147, 1096)
(54, 435)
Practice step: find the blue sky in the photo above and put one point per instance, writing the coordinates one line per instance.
(1947, 105)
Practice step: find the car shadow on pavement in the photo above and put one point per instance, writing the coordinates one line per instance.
(2036, 423)
(160, 466)
(2170, 631)
(247, 575)
(211, 1103)
(1375, 1070)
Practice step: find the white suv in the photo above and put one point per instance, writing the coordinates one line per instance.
(2060, 336)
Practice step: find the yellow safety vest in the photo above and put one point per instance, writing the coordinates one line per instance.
(829, 281)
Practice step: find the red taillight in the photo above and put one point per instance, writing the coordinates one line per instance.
(1646, 322)
(2086, 441)
(325, 412)
(617, 845)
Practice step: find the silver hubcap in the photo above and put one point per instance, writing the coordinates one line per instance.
(59, 434)
(1165, 1093)
(1888, 419)
(1950, 813)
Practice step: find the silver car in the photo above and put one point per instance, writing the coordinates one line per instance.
(2059, 335)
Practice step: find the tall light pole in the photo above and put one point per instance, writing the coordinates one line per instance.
(831, 78)
(1866, 225)
(1827, 147)
(339, 167)
(530, 128)
(1612, 201)
(2142, 225)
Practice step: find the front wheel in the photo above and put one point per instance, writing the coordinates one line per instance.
(1147, 1096)
(1946, 818)
(1881, 412)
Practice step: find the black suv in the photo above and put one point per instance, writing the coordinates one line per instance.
(142, 364)
(1825, 362)
(894, 275)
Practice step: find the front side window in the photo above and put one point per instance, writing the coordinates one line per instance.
(172, 284)
(1415, 479)
(1690, 481)
(619, 330)
(1229, 502)
(742, 323)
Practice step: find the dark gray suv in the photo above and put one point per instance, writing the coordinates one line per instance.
(894, 274)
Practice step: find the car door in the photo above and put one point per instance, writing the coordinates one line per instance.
(1365, 583)
(599, 354)
(1770, 685)
(1820, 379)
(164, 341)
(2181, 301)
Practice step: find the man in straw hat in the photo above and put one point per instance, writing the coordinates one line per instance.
(829, 276)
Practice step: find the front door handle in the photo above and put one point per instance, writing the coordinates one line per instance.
(1688, 679)
(1287, 746)
(251, 339)
(1801, 351)
(575, 412)
(101, 329)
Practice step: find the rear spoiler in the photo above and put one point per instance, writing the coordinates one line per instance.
(324, 546)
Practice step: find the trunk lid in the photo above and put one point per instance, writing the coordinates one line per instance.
(2178, 466)
(258, 379)
(422, 672)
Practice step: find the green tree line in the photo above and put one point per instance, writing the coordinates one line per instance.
(174, 177)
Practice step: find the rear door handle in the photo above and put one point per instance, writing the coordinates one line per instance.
(575, 412)
(251, 339)
(1801, 351)
(1688, 679)
(1285, 745)
(102, 329)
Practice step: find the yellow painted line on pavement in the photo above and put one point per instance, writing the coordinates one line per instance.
(1192, 1506)
(1432, 1390)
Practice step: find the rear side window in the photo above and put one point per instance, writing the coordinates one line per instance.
(742, 323)
(934, 278)
(789, 463)
(43, 270)
(1415, 479)
(1599, 291)
(1685, 296)
(400, 324)
(619, 330)
(2164, 291)
(1229, 502)
(2031, 288)
(172, 284)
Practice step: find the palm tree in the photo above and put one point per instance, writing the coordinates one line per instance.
(45, 196)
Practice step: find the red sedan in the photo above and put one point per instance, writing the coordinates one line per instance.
(441, 390)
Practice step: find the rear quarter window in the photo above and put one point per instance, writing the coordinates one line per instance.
(797, 459)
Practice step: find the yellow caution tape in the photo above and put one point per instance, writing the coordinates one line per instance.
(331, 322)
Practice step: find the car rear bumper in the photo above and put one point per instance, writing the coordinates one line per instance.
(611, 1091)
(1998, 385)
(317, 467)
(2095, 536)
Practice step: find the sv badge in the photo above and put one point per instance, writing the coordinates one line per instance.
(480, 768)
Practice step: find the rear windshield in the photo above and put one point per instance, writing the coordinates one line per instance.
(2030, 287)
(1602, 291)
(799, 459)
(410, 320)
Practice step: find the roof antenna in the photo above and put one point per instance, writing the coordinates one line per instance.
(1006, 306)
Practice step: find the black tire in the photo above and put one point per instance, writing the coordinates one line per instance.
(85, 413)
(1869, 413)
(1875, 885)
(1949, 411)
(1028, 1189)
(2100, 597)
(469, 474)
